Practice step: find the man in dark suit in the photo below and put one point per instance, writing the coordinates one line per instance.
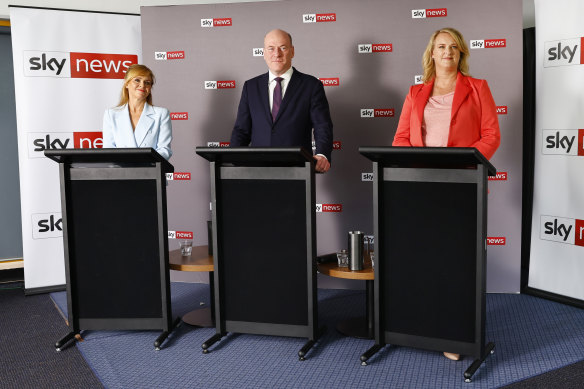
(283, 106)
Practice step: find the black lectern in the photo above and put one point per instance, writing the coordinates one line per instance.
(115, 235)
(430, 225)
(263, 202)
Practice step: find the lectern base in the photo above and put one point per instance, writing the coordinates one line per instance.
(65, 339)
(489, 349)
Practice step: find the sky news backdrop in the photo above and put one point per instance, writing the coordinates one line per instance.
(367, 54)
(557, 235)
(68, 68)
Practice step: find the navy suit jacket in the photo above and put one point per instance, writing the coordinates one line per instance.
(304, 108)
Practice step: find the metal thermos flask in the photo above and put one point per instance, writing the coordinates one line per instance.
(356, 250)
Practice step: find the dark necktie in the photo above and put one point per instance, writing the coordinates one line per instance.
(277, 97)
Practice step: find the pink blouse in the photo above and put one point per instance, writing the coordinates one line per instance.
(436, 123)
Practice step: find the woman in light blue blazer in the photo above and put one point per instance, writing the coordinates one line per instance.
(135, 122)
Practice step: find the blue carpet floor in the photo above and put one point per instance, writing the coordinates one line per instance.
(532, 336)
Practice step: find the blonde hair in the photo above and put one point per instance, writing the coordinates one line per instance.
(428, 62)
(134, 71)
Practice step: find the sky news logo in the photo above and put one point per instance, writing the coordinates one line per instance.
(168, 55)
(496, 241)
(368, 48)
(217, 22)
(180, 235)
(329, 207)
(488, 43)
(38, 142)
(377, 112)
(563, 142)
(179, 116)
(230, 84)
(500, 176)
(217, 144)
(563, 52)
(47, 225)
(429, 13)
(333, 81)
(367, 176)
(185, 176)
(418, 79)
(318, 18)
(562, 230)
(501, 110)
(258, 51)
(76, 65)
(337, 145)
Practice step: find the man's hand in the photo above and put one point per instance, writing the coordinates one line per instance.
(322, 164)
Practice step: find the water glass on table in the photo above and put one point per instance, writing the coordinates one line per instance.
(186, 247)
(343, 258)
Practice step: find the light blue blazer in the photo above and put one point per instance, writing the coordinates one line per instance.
(154, 129)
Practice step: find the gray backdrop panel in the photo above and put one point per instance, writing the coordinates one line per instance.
(377, 80)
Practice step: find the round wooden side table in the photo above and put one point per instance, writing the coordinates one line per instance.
(357, 327)
(199, 260)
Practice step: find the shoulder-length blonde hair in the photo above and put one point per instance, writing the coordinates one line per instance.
(134, 71)
(428, 62)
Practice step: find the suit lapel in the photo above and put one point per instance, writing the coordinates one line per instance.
(422, 98)
(124, 125)
(263, 89)
(460, 92)
(144, 124)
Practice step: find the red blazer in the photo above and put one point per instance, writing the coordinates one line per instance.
(473, 122)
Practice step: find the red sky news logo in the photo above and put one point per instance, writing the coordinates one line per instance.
(178, 176)
(501, 110)
(47, 225)
(562, 230)
(180, 235)
(496, 241)
(317, 18)
(258, 51)
(337, 145)
(38, 142)
(563, 142)
(329, 207)
(563, 52)
(76, 65)
(179, 116)
(429, 13)
(377, 112)
(488, 43)
(500, 176)
(368, 48)
(217, 144)
(220, 84)
(333, 81)
(367, 176)
(217, 22)
(168, 55)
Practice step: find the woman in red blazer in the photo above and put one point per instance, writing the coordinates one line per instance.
(450, 109)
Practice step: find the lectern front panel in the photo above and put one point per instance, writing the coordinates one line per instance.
(109, 246)
(259, 265)
(429, 248)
